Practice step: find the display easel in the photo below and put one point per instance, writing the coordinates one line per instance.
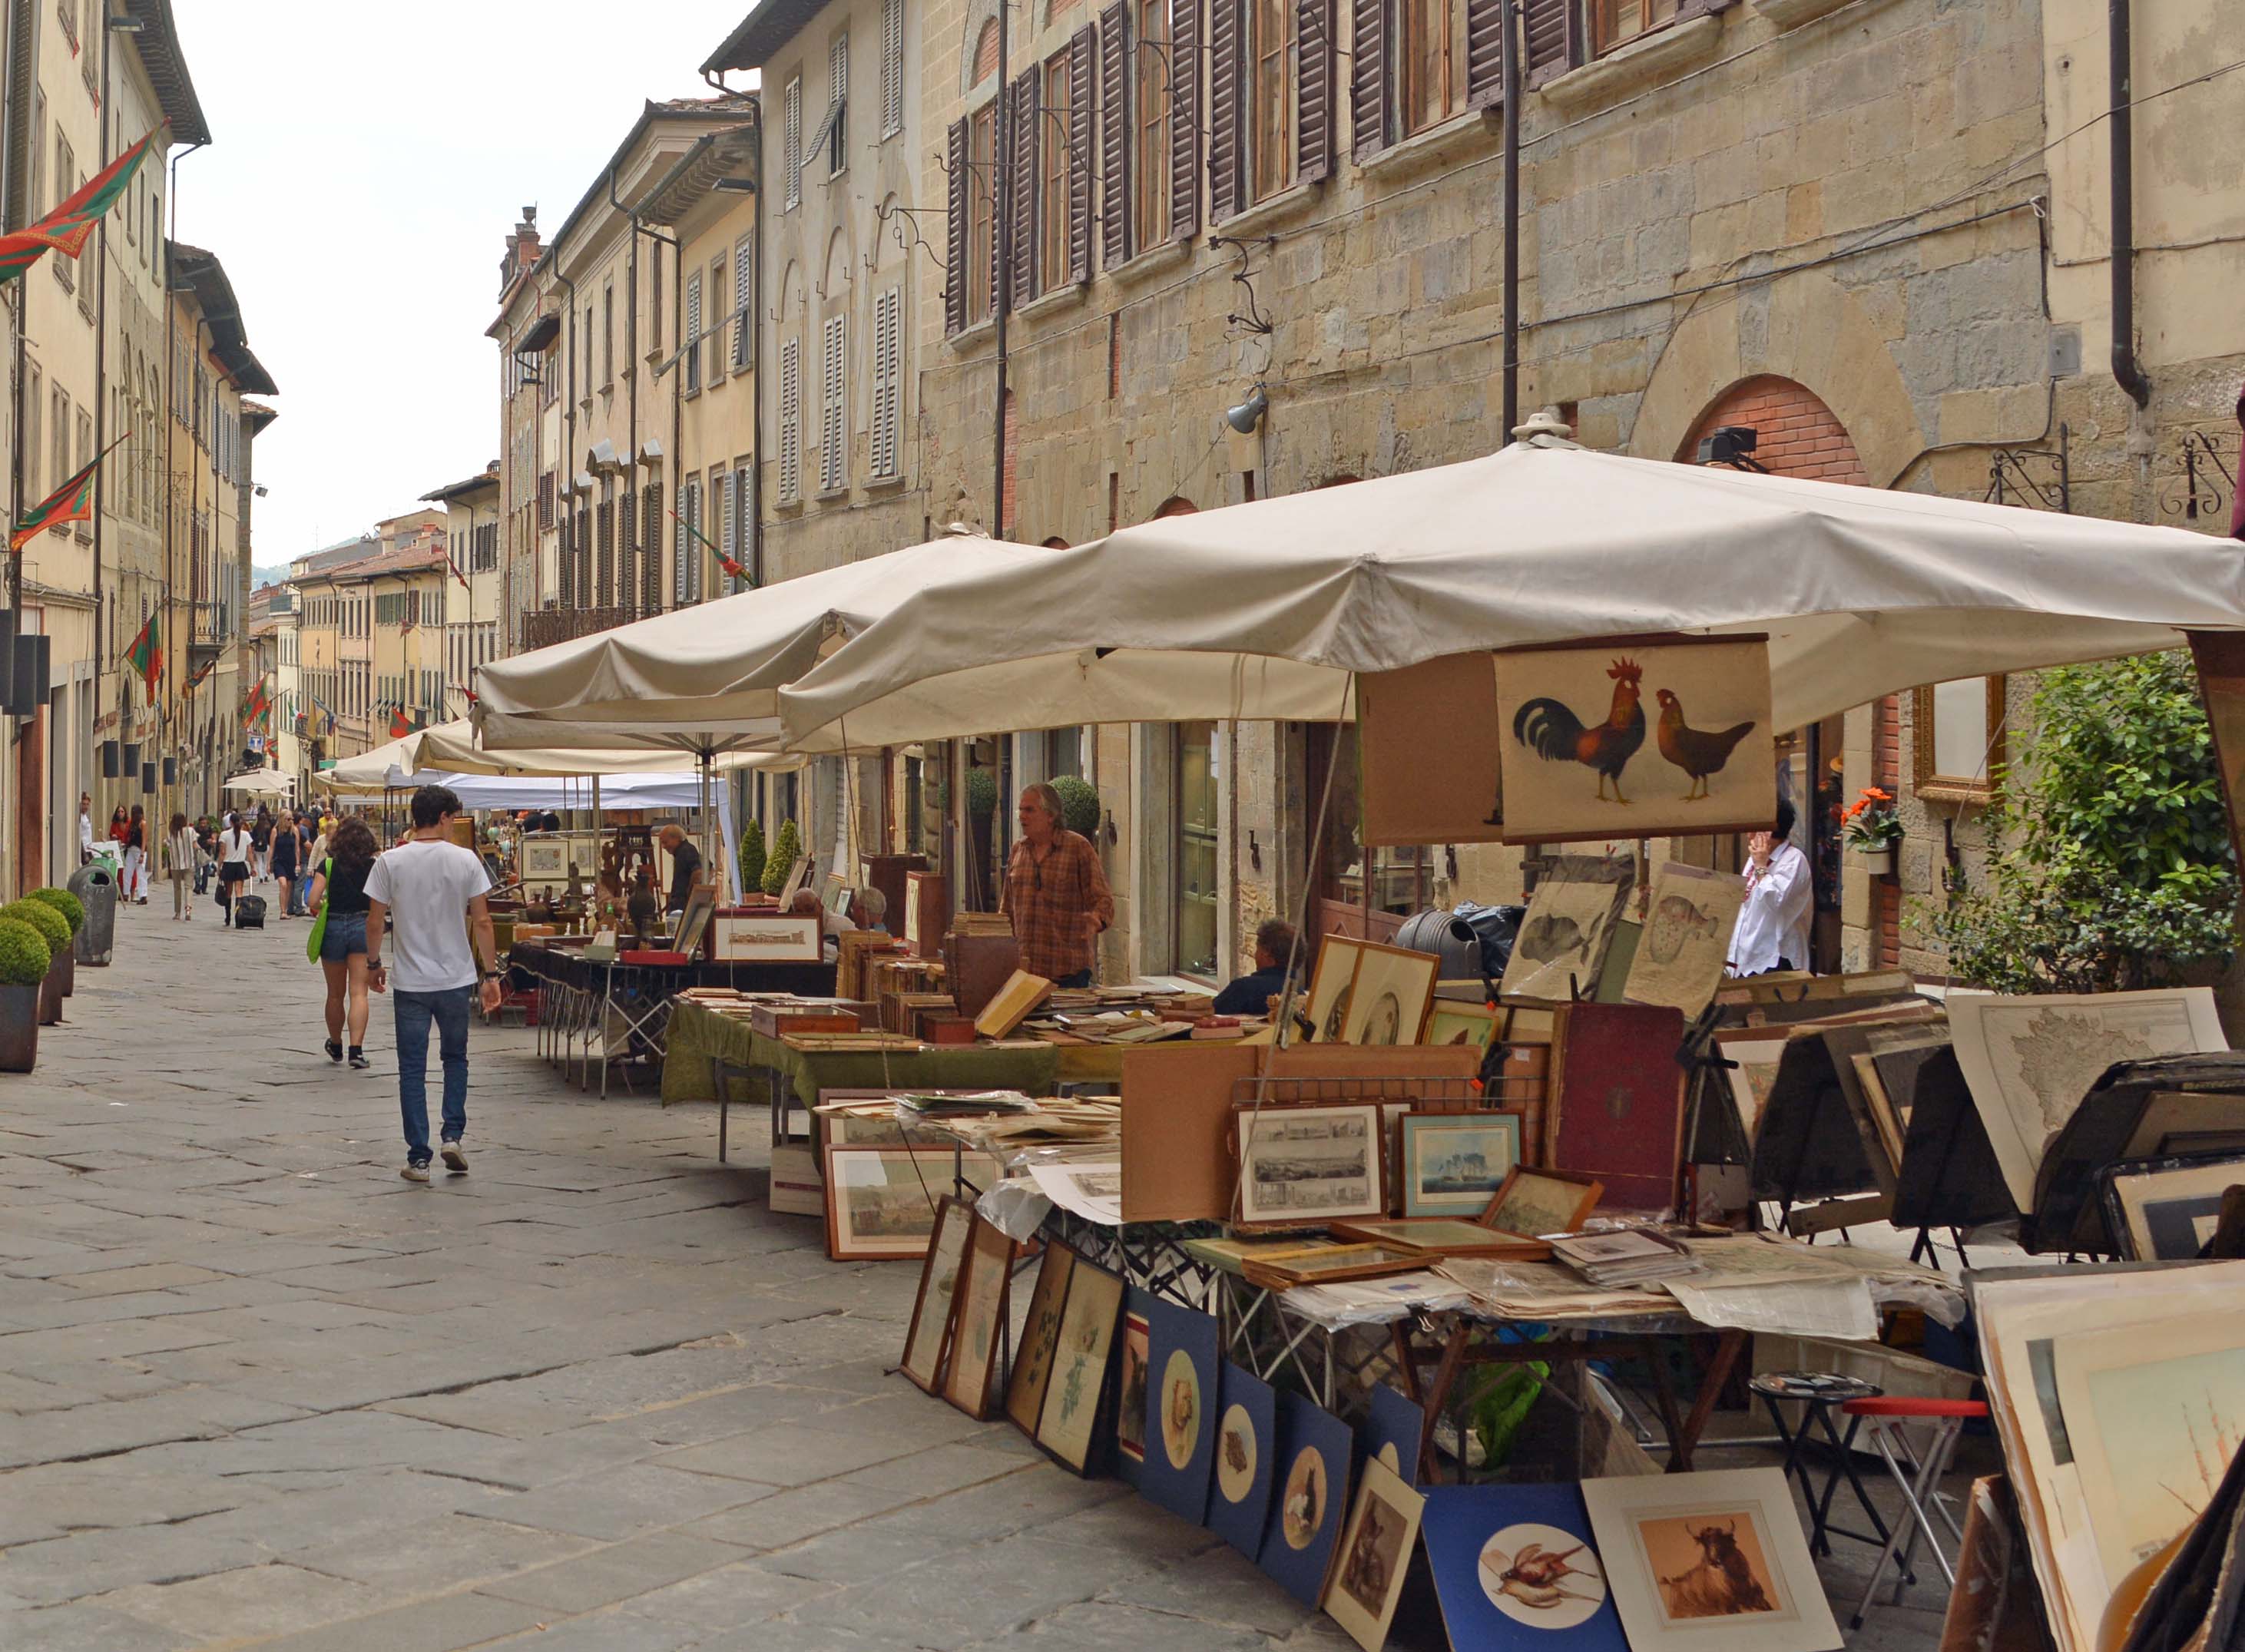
(1949, 1177)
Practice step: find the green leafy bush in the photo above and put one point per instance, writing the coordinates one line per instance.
(981, 794)
(752, 855)
(52, 926)
(2117, 871)
(787, 846)
(1079, 804)
(24, 954)
(71, 908)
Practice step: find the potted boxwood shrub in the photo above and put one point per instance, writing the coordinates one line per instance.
(54, 929)
(1079, 805)
(73, 912)
(24, 961)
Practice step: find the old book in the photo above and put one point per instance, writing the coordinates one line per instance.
(1011, 1005)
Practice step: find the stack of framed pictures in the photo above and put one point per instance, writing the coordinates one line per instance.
(2167, 1210)
(1363, 992)
(953, 1344)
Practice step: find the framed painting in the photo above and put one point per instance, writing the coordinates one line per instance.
(1720, 1551)
(1685, 943)
(1388, 998)
(1066, 1426)
(2165, 1209)
(1184, 1369)
(1302, 1167)
(927, 1339)
(1514, 1566)
(1455, 1021)
(1331, 985)
(1637, 737)
(1133, 1350)
(1572, 918)
(1957, 739)
(979, 1320)
(1375, 1553)
(1033, 1362)
(1246, 1447)
(1534, 1203)
(1310, 1490)
(881, 1202)
(1453, 1163)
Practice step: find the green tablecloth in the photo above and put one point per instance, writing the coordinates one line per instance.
(696, 1033)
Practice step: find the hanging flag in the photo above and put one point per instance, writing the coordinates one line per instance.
(145, 656)
(72, 223)
(457, 574)
(260, 708)
(72, 502)
(203, 671)
(398, 726)
(733, 569)
(325, 712)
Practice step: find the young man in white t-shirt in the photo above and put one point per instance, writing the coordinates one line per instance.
(430, 895)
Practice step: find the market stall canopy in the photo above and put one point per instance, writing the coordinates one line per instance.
(1862, 592)
(383, 768)
(453, 746)
(706, 679)
(262, 782)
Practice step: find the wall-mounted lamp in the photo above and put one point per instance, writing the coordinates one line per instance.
(1731, 444)
(128, 25)
(1244, 417)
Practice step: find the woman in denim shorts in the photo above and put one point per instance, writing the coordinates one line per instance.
(340, 881)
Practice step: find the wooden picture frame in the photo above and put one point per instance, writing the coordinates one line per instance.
(1438, 1184)
(979, 1320)
(764, 938)
(1531, 1197)
(1333, 1264)
(1332, 982)
(1389, 994)
(1075, 1394)
(1456, 1021)
(1932, 779)
(798, 878)
(1343, 1144)
(1033, 1360)
(1444, 1236)
(693, 917)
(927, 1338)
(872, 1220)
(545, 859)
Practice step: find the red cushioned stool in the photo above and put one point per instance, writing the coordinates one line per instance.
(1884, 1417)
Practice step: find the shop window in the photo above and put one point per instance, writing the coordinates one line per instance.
(1199, 774)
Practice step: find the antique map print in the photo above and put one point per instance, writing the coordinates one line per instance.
(1688, 916)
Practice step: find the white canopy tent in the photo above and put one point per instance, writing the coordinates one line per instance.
(453, 746)
(383, 768)
(1262, 610)
(262, 782)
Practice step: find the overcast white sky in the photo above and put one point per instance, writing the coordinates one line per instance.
(365, 164)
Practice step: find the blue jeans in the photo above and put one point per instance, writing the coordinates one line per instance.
(449, 1010)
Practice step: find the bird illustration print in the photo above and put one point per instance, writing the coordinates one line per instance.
(1553, 732)
(1698, 752)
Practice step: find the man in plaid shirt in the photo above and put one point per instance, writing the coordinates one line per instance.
(1056, 893)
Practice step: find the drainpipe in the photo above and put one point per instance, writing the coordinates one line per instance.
(568, 471)
(2126, 371)
(1511, 297)
(1002, 226)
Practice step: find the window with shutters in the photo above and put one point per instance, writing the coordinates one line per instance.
(837, 104)
(744, 502)
(1270, 99)
(721, 486)
(1618, 21)
(715, 343)
(791, 143)
(584, 554)
(607, 337)
(1431, 86)
(1152, 102)
(833, 427)
(692, 342)
(982, 184)
(791, 422)
(606, 575)
(1055, 155)
(743, 279)
(888, 457)
(892, 67)
(684, 543)
(650, 540)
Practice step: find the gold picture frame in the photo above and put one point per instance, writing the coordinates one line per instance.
(1928, 778)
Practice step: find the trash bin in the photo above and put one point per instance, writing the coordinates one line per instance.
(95, 888)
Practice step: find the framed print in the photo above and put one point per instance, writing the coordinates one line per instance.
(1715, 1559)
(1685, 944)
(1078, 1388)
(1573, 917)
(545, 860)
(1033, 1362)
(1299, 1166)
(1246, 1447)
(978, 1319)
(1514, 1566)
(1309, 1492)
(1438, 1236)
(694, 917)
(1331, 985)
(1134, 1349)
(798, 878)
(1387, 1001)
(1534, 1202)
(1332, 1264)
(2165, 1209)
(1455, 1021)
(1637, 737)
(1957, 739)
(1182, 1370)
(1375, 1552)
(1426, 736)
(927, 1338)
(1453, 1163)
(1393, 1427)
(763, 938)
(881, 1202)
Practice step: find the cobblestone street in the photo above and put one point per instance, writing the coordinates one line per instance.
(256, 1390)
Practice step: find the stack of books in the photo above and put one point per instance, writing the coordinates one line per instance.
(1625, 1257)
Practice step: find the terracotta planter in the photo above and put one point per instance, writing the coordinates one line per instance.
(1877, 861)
(67, 964)
(50, 997)
(19, 1028)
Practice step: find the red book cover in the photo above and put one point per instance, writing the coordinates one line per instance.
(1620, 1101)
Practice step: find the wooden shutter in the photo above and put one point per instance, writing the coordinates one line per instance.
(678, 568)
(1485, 52)
(833, 434)
(742, 276)
(1115, 135)
(1022, 138)
(888, 382)
(1080, 48)
(1551, 34)
(892, 66)
(1313, 90)
(790, 420)
(1184, 119)
(954, 240)
(1367, 77)
(1223, 30)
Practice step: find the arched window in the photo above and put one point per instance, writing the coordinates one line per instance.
(1175, 505)
(1797, 435)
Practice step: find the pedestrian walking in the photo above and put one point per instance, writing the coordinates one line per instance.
(418, 894)
(136, 858)
(119, 829)
(339, 879)
(182, 859)
(234, 853)
(282, 859)
(260, 844)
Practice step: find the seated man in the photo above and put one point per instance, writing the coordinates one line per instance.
(870, 910)
(1251, 994)
(807, 904)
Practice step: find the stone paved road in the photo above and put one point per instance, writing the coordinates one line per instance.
(255, 1390)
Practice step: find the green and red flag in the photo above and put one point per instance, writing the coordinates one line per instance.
(398, 726)
(203, 671)
(145, 656)
(733, 569)
(72, 223)
(260, 708)
(72, 502)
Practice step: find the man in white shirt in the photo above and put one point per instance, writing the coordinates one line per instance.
(85, 829)
(1773, 926)
(428, 895)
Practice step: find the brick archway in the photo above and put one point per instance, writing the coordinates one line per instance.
(1799, 435)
